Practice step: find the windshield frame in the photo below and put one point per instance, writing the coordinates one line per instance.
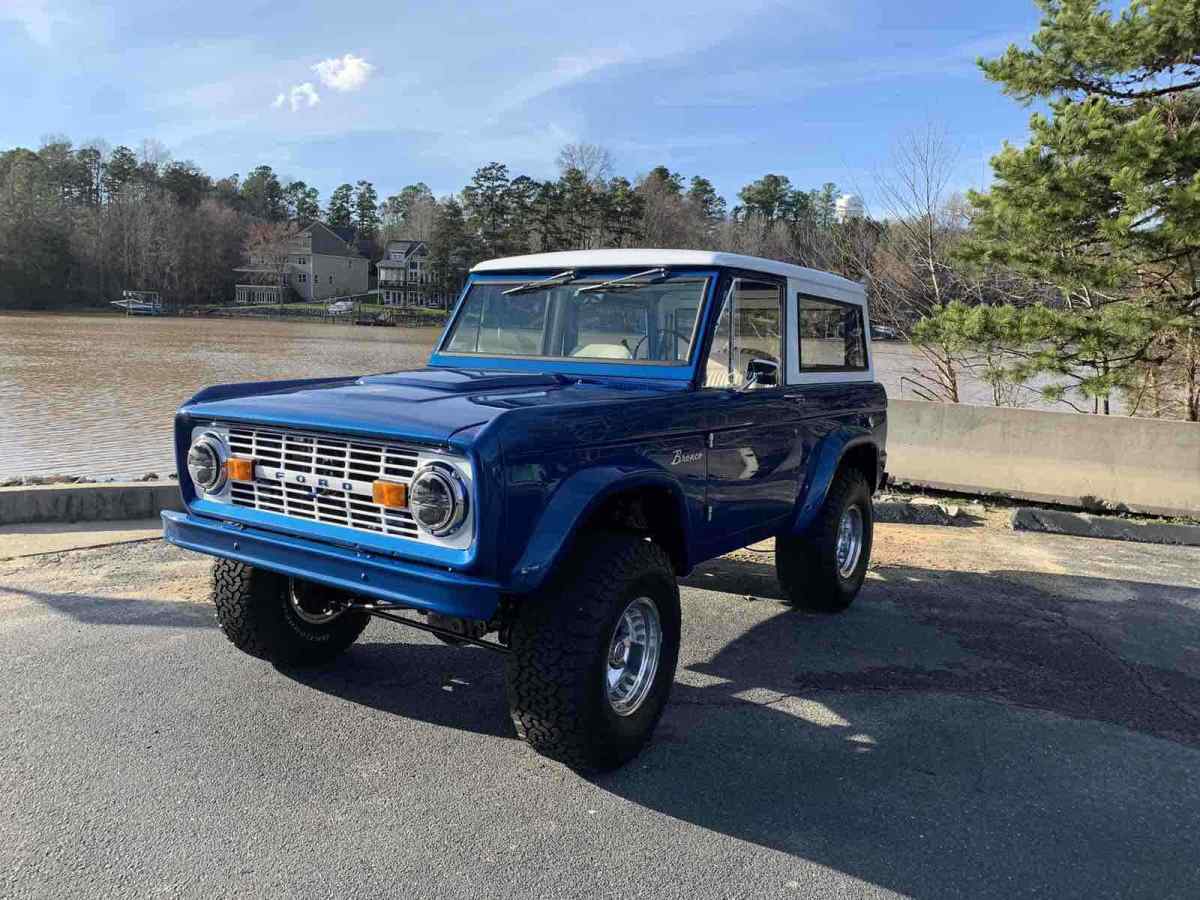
(642, 368)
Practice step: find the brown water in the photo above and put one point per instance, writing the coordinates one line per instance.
(96, 395)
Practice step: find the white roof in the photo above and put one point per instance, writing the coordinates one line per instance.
(820, 283)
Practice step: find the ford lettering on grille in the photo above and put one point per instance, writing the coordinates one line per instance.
(322, 478)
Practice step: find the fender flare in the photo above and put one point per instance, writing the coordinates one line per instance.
(575, 499)
(823, 466)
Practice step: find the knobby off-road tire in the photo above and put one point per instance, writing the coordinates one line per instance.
(256, 611)
(808, 567)
(562, 641)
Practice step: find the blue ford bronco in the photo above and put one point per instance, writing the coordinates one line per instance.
(590, 426)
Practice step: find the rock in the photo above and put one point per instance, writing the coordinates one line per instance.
(912, 514)
(1057, 521)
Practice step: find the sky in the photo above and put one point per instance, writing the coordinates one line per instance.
(401, 92)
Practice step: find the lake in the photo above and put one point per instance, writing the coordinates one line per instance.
(95, 395)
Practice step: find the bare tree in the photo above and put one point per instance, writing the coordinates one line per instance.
(154, 153)
(266, 250)
(419, 220)
(671, 219)
(910, 270)
(594, 161)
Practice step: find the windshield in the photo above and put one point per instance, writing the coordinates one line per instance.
(588, 318)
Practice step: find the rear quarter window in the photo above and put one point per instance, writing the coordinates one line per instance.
(832, 338)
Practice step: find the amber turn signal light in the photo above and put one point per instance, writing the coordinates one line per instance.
(390, 494)
(240, 469)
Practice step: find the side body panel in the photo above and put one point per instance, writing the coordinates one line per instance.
(561, 464)
(837, 419)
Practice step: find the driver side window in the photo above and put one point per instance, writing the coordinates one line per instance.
(749, 330)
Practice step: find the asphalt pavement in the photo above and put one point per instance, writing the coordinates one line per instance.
(1000, 714)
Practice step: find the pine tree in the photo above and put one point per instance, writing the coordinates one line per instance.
(623, 213)
(340, 211)
(704, 196)
(366, 209)
(262, 195)
(546, 214)
(452, 250)
(522, 225)
(486, 203)
(119, 171)
(303, 202)
(579, 209)
(1104, 200)
(672, 182)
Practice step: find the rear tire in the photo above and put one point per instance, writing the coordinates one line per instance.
(580, 684)
(823, 569)
(280, 619)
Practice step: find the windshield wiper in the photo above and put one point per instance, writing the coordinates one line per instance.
(561, 278)
(649, 277)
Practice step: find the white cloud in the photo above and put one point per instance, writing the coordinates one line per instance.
(298, 97)
(347, 73)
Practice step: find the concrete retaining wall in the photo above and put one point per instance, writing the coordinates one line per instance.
(1145, 465)
(87, 502)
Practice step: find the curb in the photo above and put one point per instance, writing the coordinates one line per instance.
(893, 512)
(108, 502)
(1055, 521)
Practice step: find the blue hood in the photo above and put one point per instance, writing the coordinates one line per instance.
(426, 405)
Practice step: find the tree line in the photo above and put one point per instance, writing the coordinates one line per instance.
(80, 224)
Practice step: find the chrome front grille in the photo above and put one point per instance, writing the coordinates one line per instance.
(322, 478)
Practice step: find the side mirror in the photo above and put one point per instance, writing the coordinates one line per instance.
(761, 373)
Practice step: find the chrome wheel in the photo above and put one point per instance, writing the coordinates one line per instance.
(849, 541)
(313, 604)
(633, 656)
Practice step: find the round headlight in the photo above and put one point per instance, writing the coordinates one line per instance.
(437, 499)
(206, 463)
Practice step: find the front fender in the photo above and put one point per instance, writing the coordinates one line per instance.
(823, 465)
(577, 498)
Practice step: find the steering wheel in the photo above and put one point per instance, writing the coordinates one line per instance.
(661, 331)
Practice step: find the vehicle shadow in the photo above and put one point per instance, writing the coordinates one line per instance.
(459, 688)
(953, 733)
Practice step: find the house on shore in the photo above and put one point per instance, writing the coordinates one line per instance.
(404, 276)
(318, 263)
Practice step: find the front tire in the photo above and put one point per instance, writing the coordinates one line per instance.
(824, 569)
(281, 619)
(594, 653)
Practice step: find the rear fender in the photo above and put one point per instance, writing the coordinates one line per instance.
(822, 468)
(570, 507)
